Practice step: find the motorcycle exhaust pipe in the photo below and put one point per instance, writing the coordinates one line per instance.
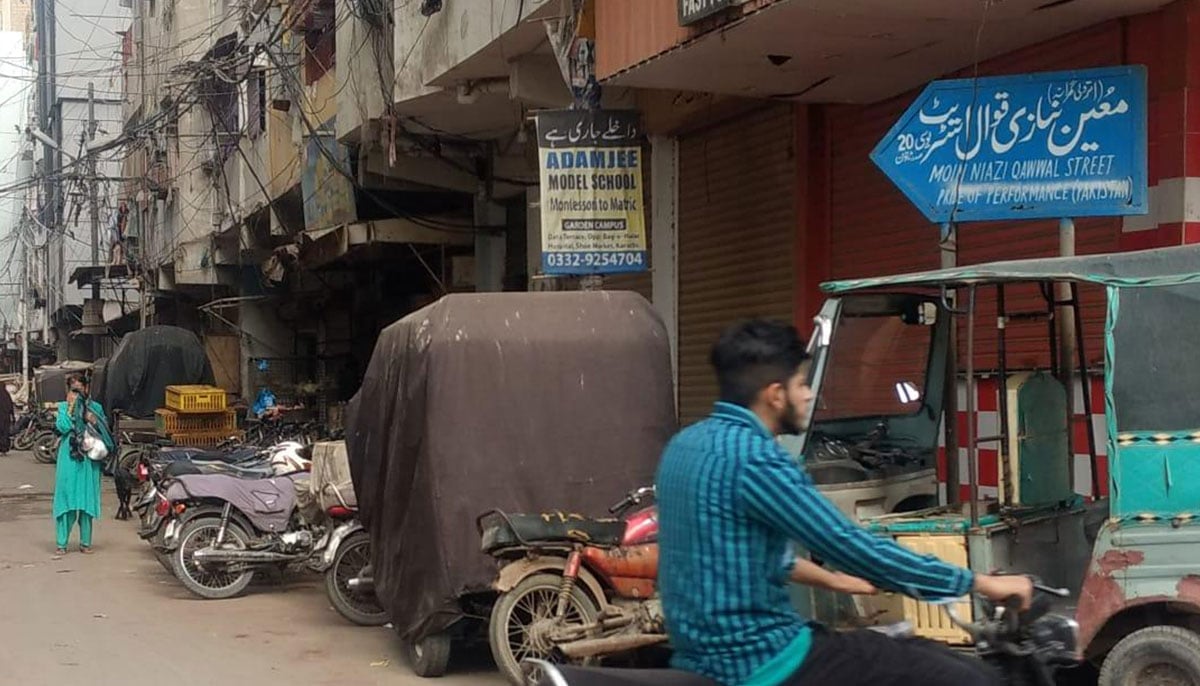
(364, 584)
(594, 647)
(216, 555)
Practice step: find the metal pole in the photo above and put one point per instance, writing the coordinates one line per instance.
(93, 190)
(972, 446)
(1086, 393)
(143, 228)
(949, 250)
(94, 212)
(24, 302)
(46, 292)
(1007, 482)
(1067, 342)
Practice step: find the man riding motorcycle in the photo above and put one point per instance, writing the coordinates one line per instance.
(731, 500)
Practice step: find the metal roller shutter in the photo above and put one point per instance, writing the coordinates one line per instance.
(737, 225)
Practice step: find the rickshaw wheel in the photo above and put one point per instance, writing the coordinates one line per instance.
(1154, 656)
(429, 656)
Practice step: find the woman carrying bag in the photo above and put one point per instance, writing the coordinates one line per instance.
(80, 422)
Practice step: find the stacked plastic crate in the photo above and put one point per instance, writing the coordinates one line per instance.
(197, 416)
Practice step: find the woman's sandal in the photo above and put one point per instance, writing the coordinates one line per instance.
(86, 550)
(60, 551)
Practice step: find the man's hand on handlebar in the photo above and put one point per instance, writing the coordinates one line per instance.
(999, 588)
(853, 585)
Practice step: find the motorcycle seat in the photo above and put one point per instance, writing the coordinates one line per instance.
(184, 467)
(591, 676)
(500, 531)
(202, 455)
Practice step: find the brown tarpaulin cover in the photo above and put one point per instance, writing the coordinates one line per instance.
(526, 402)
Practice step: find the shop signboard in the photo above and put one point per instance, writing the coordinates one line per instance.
(593, 219)
(692, 11)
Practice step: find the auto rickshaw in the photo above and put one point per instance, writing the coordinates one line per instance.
(1125, 544)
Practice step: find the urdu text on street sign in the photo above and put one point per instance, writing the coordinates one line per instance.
(1055, 144)
(593, 219)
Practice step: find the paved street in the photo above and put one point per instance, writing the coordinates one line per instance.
(116, 618)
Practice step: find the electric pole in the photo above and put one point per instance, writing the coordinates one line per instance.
(23, 236)
(94, 212)
(150, 216)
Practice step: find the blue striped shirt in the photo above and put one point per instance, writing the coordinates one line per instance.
(730, 501)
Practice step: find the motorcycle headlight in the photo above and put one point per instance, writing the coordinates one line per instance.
(1057, 638)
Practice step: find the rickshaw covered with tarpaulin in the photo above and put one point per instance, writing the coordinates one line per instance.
(525, 402)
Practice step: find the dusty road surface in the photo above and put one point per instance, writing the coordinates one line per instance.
(116, 618)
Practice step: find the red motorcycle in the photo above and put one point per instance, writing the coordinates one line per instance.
(573, 588)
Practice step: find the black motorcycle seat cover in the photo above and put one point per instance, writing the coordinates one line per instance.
(550, 527)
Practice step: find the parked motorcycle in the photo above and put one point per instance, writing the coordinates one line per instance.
(571, 587)
(153, 468)
(23, 431)
(347, 565)
(41, 437)
(228, 528)
(1025, 648)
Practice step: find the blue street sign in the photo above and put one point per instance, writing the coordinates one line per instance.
(1054, 144)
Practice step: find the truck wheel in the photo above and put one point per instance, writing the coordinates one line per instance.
(1161, 655)
(429, 656)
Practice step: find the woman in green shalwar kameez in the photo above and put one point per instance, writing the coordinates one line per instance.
(76, 478)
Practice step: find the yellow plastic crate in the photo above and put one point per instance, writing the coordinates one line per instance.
(171, 422)
(196, 398)
(206, 439)
(930, 621)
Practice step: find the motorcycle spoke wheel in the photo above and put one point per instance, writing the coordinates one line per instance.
(360, 607)
(523, 619)
(212, 582)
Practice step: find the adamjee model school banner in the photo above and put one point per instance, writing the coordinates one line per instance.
(593, 221)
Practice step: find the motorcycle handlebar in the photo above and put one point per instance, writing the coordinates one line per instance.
(632, 498)
(1012, 611)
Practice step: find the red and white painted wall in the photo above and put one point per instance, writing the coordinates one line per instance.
(1168, 43)
(988, 424)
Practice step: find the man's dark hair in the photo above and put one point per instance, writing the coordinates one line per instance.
(752, 355)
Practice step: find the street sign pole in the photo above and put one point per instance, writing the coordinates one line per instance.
(949, 250)
(1066, 336)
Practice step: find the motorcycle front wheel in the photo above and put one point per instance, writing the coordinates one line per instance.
(359, 607)
(45, 447)
(522, 618)
(216, 583)
(24, 439)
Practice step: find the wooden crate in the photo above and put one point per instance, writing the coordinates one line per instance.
(196, 398)
(206, 439)
(171, 422)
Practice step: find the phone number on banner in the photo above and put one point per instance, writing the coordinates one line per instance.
(593, 262)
